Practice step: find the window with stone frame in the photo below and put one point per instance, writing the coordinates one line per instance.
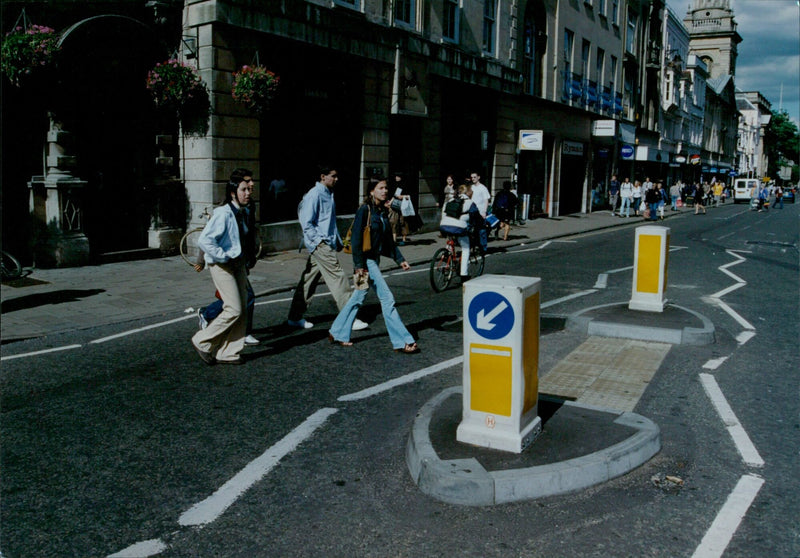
(451, 15)
(405, 12)
(489, 25)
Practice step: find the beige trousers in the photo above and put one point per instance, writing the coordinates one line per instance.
(322, 263)
(225, 334)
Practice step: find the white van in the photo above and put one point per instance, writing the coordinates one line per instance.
(744, 189)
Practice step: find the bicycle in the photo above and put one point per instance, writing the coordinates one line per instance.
(189, 242)
(11, 268)
(446, 263)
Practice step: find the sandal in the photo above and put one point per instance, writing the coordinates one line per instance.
(408, 349)
(340, 343)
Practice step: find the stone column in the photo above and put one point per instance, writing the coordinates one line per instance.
(56, 203)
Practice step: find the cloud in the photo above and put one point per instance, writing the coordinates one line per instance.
(769, 53)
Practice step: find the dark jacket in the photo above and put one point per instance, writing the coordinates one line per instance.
(380, 236)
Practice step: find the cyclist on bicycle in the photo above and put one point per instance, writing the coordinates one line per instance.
(455, 222)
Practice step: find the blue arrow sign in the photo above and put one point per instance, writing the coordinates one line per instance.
(491, 315)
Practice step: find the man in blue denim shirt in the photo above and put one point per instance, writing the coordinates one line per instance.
(317, 216)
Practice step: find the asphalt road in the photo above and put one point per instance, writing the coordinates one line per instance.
(121, 443)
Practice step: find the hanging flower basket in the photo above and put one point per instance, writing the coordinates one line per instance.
(177, 89)
(27, 51)
(255, 87)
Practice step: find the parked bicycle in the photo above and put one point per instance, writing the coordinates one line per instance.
(446, 263)
(188, 245)
(11, 268)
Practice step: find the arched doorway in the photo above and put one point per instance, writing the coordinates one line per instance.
(103, 101)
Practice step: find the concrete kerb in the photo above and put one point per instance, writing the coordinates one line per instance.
(467, 482)
(584, 322)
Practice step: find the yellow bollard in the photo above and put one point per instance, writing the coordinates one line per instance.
(650, 262)
(501, 362)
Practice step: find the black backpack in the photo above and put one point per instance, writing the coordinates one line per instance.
(454, 208)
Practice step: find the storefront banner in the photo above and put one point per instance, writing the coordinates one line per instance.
(531, 140)
(642, 152)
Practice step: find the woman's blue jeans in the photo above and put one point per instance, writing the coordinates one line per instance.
(343, 324)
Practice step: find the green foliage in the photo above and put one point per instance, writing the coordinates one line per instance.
(176, 88)
(27, 51)
(255, 87)
(782, 143)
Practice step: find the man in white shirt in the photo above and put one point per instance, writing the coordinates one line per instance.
(481, 198)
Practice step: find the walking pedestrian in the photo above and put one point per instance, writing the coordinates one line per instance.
(221, 243)
(637, 197)
(317, 216)
(626, 193)
(778, 197)
(366, 263)
(207, 314)
(698, 195)
(613, 194)
(674, 194)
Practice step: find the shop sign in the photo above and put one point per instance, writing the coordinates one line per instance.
(572, 148)
(602, 153)
(604, 128)
(680, 159)
(694, 159)
(713, 169)
(531, 140)
(627, 152)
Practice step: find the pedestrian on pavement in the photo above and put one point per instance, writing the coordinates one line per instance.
(366, 263)
(317, 216)
(637, 197)
(207, 314)
(651, 199)
(481, 198)
(626, 192)
(717, 193)
(398, 222)
(674, 194)
(648, 185)
(613, 193)
(449, 191)
(698, 195)
(221, 242)
(504, 206)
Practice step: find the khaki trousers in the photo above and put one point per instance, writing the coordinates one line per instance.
(225, 334)
(324, 263)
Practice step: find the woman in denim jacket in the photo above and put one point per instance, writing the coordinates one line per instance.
(367, 263)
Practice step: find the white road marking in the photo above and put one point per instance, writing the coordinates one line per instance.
(43, 351)
(545, 244)
(212, 507)
(602, 281)
(729, 518)
(740, 438)
(408, 378)
(140, 329)
(566, 298)
(141, 549)
(714, 363)
(732, 313)
(745, 336)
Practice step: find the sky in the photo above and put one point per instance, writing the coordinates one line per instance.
(769, 54)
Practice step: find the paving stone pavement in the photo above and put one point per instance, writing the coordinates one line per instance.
(49, 301)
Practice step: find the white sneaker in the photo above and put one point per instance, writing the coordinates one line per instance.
(201, 319)
(302, 324)
(358, 325)
(250, 340)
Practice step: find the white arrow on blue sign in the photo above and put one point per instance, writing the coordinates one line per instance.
(491, 315)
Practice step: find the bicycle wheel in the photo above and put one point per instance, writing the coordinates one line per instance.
(442, 269)
(189, 245)
(11, 269)
(476, 262)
